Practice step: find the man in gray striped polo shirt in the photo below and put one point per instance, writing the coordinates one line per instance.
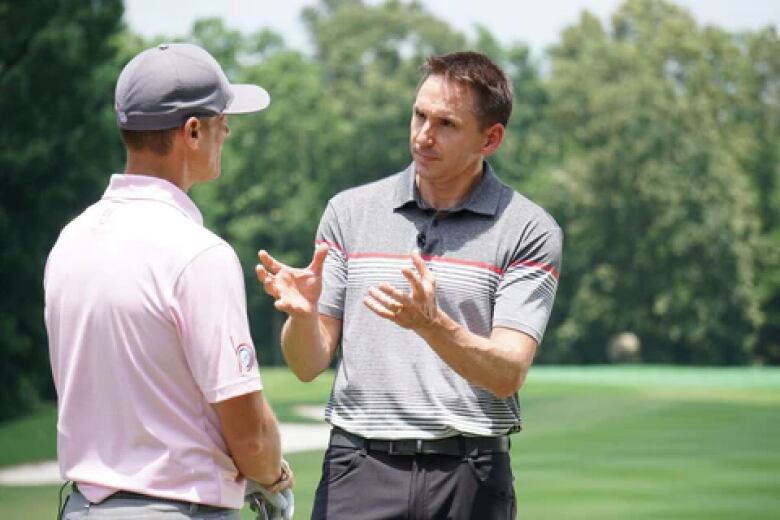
(438, 283)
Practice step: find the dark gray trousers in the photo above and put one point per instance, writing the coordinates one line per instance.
(373, 485)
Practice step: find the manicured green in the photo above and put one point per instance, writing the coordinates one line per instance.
(599, 442)
(649, 442)
(29, 439)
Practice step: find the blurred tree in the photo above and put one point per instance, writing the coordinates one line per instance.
(370, 56)
(754, 111)
(660, 220)
(57, 147)
(336, 120)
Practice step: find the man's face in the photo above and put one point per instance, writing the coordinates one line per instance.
(215, 130)
(446, 138)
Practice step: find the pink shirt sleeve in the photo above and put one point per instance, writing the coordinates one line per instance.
(210, 309)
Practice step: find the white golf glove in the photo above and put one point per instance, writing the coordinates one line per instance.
(270, 506)
(279, 505)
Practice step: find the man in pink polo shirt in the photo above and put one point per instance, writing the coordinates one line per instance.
(161, 413)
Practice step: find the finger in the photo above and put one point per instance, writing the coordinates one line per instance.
(267, 279)
(419, 264)
(378, 309)
(270, 263)
(396, 294)
(270, 287)
(283, 305)
(416, 283)
(317, 261)
(390, 303)
(282, 485)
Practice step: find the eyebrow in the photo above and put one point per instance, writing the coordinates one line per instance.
(439, 115)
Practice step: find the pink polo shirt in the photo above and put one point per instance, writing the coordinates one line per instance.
(147, 323)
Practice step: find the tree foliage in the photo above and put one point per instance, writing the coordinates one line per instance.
(655, 142)
(56, 141)
(659, 216)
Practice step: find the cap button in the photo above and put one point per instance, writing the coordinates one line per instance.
(162, 46)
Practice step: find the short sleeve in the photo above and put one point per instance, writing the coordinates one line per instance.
(526, 290)
(334, 274)
(210, 309)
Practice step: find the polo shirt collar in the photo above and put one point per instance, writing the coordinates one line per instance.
(483, 199)
(145, 187)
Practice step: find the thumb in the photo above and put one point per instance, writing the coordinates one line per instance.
(320, 253)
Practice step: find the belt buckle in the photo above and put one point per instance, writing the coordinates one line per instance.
(404, 447)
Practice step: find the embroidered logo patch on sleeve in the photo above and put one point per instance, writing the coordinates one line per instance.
(246, 358)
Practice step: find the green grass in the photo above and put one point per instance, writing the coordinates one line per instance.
(29, 439)
(599, 442)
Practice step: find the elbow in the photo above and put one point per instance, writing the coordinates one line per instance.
(306, 376)
(508, 387)
(505, 391)
(305, 370)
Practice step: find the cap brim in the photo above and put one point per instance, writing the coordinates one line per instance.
(247, 98)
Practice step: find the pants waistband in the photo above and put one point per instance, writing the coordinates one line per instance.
(457, 446)
(191, 506)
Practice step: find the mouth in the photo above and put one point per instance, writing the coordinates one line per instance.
(424, 157)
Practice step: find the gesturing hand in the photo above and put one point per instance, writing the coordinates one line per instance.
(415, 310)
(295, 291)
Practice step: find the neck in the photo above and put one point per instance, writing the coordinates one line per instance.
(166, 167)
(449, 192)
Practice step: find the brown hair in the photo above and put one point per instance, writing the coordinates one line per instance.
(492, 91)
(156, 141)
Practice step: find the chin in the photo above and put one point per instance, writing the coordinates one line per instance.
(427, 171)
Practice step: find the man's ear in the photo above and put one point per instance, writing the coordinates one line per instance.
(493, 138)
(192, 132)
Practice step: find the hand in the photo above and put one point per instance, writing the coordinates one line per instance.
(275, 501)
(271, 506)
(415, 310)
(286, 479)
(295, 291)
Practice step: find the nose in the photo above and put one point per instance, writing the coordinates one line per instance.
(424, 136)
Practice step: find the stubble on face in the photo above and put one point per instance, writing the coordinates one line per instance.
(446, 139)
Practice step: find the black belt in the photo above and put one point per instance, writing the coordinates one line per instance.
(458, 446)
(130, 495)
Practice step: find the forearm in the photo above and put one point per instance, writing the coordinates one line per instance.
(484, 362)
(252, 436)
(304, 350)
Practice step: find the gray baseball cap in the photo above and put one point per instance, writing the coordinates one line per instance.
(161, 87)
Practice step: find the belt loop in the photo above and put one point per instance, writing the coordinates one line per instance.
(364, 446)
(418, 446)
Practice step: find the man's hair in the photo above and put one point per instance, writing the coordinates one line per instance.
(156, 141)
(492, 91)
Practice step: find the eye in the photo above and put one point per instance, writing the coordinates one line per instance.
(446, 122)
(418, 114)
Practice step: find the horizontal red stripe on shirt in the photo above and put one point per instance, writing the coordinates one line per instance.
(455, 261)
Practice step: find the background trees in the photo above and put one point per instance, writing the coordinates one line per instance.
(661, 222)
(57, 146)
(655, 143)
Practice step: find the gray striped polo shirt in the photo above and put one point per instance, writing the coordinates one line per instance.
(496, 259)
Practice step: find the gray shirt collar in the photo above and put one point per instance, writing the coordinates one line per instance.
(484, 198)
